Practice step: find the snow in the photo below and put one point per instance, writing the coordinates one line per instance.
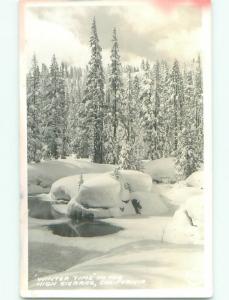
(161, 170)
(100, 191)
(137, 181)
(178, 193)
(151, 202)
(104, 196)
(153, 247)
(135, 253)
(196, 179)
(67, 187)
(186, 226)
(42, 175)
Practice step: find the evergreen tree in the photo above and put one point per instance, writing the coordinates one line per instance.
(198, 94)
(147, 114)
(188, 159)
(115, 99)
(177, 98)
(166, 111)
(62, 112)
(45, 105)
(128, 158)
(34, 116)
(92, 108)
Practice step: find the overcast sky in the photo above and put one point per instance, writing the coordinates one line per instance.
(144, 31)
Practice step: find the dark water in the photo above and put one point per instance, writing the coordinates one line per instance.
(39, 208)
(83, 229)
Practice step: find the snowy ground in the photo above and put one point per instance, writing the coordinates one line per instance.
(136, 253)
(156, 249)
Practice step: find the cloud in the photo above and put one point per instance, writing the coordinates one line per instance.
(144, 31)
(46, 38)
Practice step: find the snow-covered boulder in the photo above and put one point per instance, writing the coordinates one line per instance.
(187, 223)
(42, 175)
(136, 180)
(161, 170)
(196, 179)
(178, 193)
(79, 212)
(109, 195)
(151, 203)
(67, 187)
(101, 191)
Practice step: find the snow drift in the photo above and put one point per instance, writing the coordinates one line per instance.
(187, 223)
(196, 179)
(42, 175)
(161, 170)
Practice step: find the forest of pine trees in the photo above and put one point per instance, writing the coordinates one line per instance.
(116, 114)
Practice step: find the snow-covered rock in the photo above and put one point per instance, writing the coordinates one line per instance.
(151, 203)
(186, 226)
(178, 193)
(196, 179)
(105, 195)
(42, 175)
(161, 170)
(67, 187)
(101, 191)
(136, 180)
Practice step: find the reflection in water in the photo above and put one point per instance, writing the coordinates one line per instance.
(83, 229)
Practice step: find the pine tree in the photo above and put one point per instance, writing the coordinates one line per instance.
(157, 113)
(198, 94)
(34, 117)
(92, 107)
(57, 118)
(147, 114)
(45, 106)
(166, 111)
(62, 111)
(114, 105)
(177, 98)
(128, 158)
(188, 159)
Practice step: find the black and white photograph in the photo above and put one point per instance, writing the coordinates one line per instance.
(115, 130)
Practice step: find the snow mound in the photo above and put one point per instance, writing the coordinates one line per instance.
(136, 180)
(107, 195)
(42, 175)
(67, 187)
(186, 226)
(161, 170)
(196, 179)
(178, 193)
(100, 191)
(152, 203)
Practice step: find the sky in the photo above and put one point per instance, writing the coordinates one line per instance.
(145, 30)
